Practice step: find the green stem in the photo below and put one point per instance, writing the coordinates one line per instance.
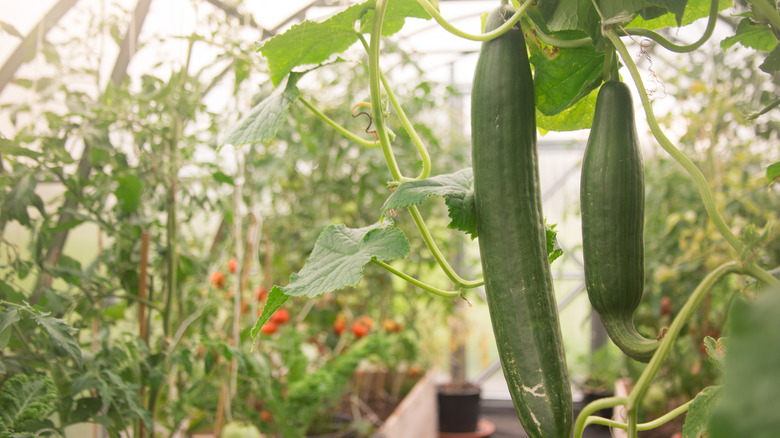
(561, 44)
(481, 37)
(766, 10)
(669, 416)
(674, 330)
(632, 422)
(341, 130)
(376, 97)
(591, 408)
(416, 282)
(421, 149)
(760, 274)
(685, 162)
(453, 276)
(711, 20)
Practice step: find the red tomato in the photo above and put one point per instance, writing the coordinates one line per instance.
(265, 416)
(218, 279)
(232, 263)
(269, 328)
(359, 329)
(367, 321)
(280, 316)
(260, 293)
(391, 326)
(339, 325)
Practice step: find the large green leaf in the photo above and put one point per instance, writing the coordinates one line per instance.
(128, 192)
(700, 411)
(265, 119)
(336, 262)
(563, 76)
(313, 41)
(578, 116)
(455, 188)
(750, 406)
(757, 36)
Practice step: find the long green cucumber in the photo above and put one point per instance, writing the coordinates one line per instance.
(612, 203)
(512, 237)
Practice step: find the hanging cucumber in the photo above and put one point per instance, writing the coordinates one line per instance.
(512, 238)
(612, 198)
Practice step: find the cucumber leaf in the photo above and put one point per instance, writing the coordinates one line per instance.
(336, 262)
(314, 41)
(750, 406)
(265, 119)
(455, 188)
(757, 36)
(700, 411)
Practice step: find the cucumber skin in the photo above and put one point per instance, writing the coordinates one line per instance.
(512, 237)
(612, 201)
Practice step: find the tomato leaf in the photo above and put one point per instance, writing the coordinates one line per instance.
(22, 196)
(60, 334)
(455, 188)
(314, 41)
(266, 117)
(700, 411)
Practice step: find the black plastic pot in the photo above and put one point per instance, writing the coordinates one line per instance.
(458, 408)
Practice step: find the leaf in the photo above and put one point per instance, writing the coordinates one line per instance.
(60, 334)
(554, 249)
(569, 15)
(24, 401)
(455, 188)
(128, 192)
(336, 262)
(773, 171)
(716, 350)
(10, 29)
(21, 196)
(564, 76)
(578, 116)
(750, 406)
(313, 42)
(222, 178)
(772, 62)
(753, 35)
(8, 147)
(694, 10)
(7, 318)
(700, 411)
(261, 124)
(276, 298)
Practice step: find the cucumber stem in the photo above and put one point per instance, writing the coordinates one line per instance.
(446, 25)
(416, 282)
(711, 20)
(676, 412)
(624, 334)
(376, 97)
(680, 157)
(340, 129)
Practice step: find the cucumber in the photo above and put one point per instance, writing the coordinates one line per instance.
(612, 203)
(512, 237)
